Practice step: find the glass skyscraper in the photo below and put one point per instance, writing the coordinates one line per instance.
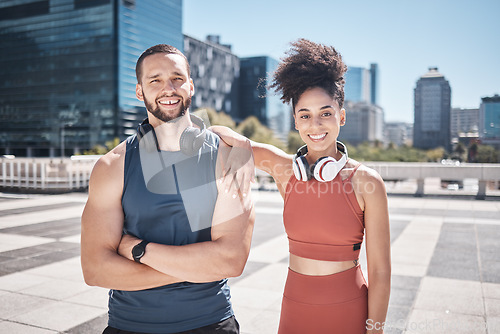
(67, 70)
(431, 127)
(361, 84)
(489, 120)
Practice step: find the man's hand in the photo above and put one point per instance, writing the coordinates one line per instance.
(126, 244)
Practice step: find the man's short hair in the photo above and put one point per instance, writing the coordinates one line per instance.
(160, 48)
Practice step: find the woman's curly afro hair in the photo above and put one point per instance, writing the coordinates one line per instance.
(308, 65)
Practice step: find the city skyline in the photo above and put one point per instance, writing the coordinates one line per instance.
(403, 38)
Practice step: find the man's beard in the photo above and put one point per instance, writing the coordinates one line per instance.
(184, 106)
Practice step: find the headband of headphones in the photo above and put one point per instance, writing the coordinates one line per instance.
(324, 169)
(191, 138)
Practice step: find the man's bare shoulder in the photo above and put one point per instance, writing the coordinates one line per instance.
(110, 166)
(113, 158)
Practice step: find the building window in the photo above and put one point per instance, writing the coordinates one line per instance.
(129, 3)
(227, 87)
(26, 10)
(79, 4)
(213, 83)
(209, 53)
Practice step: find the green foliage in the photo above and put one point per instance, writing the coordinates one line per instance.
(101, 149)
(487, 154)
(254, 130)
(376, 152)
(216, 118)
(459, 152)
(436, 154)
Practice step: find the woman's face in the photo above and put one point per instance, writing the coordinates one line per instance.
(318, 118)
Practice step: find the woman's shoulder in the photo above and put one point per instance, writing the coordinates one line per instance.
(360, 172)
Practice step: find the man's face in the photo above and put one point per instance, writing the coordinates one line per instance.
(165, 86)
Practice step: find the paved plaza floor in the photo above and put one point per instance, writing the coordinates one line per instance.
(445, 267)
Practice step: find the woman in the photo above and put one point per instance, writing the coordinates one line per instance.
(331, 203)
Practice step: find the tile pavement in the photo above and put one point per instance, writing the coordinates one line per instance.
(445, 264)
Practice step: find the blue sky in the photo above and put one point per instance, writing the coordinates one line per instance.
(405, 38)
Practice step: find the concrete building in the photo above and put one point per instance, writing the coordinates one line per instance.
(67, 70)
(215, 71)
(364, 123)
(464, 121)
(257, 100)
(489, 121)
(398, 133)
(432, 97)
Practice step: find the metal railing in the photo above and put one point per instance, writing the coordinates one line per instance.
(46, 174)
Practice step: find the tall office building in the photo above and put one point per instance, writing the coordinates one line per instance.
(364, 118)
(67, 70)
(215, 71)
(489, 121)
(361, 84)
(257, 100)
(432, 96)
(374, 83)
(364, 123)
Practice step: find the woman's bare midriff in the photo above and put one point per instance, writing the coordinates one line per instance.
(312, 267)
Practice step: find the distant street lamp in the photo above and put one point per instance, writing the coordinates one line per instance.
(62, 137)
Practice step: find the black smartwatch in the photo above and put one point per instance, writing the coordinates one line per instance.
(139, 250)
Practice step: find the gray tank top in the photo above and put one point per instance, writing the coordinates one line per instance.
(169, 198)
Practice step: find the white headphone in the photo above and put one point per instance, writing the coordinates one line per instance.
(324, 169)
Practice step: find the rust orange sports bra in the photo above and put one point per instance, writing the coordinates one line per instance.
(323, 220)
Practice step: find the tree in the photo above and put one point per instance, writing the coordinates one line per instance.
(472, 155)
(101, 149)
(254, 130)
(435, 154)
(488, 154)
(459, 152)
(212, 117)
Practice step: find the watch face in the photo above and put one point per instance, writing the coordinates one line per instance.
(137, 251)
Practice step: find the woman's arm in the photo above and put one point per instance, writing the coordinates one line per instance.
(378, 244)
(267, 158)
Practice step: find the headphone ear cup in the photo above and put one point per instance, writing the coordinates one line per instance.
(192, 138)
(325, 169)
(188, 140)
(301, 169)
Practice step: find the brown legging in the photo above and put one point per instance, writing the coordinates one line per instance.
(330, 304)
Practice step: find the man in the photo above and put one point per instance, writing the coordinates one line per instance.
(184, 232)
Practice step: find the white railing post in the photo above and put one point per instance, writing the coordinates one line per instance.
(42, 174)
(19, 174)
(4, 173)
(11, 173)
